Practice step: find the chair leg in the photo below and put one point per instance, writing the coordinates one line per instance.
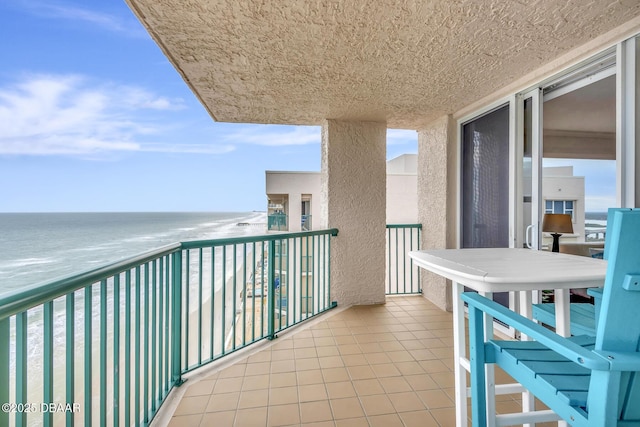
(606, 409)
(477, 362)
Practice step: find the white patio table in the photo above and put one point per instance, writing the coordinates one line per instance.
(507, 270)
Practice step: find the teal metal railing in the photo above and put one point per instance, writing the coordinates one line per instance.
(403, 276)
(107, 346)
(305, 223)
(277, 222)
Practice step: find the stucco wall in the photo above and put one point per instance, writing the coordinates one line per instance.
(402, 199)
(437, 189)
(284, 182)
(354, 187)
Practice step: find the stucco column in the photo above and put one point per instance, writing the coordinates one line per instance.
(354, 195)
(437, 195)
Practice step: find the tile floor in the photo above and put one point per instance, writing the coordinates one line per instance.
(387, 365)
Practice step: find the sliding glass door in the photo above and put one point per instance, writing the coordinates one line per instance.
(567, 150)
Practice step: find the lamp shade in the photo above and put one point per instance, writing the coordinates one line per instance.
(557, 223)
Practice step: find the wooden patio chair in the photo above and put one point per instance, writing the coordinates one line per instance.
(587, 381)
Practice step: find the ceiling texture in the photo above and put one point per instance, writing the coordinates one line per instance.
(406, 62)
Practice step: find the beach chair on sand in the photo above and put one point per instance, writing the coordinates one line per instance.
(587, 381)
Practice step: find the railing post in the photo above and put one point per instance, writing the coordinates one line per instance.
(4, 368)
(47, 362)
(176, 320)
(271, 294)
(418, 248)
(88, 355)
(333, 304)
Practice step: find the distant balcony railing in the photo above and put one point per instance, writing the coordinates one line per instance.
(108, 345)
(277, 222)
(305, 221)
(403, 277)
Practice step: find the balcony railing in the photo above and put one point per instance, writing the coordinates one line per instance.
(403, 277)
(110, 344)
(305, 222)
(277, 222)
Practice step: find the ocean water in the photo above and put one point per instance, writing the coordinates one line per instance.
(39, 247)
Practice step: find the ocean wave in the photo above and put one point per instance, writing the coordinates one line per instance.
(210, 224)
(94, 248)
(25, 262)
(108, 238)
(140, 239)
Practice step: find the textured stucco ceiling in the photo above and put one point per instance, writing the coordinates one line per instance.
(404, 61)
(590, 108)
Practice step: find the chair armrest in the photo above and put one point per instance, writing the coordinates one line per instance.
(621, 360)
(553, 341)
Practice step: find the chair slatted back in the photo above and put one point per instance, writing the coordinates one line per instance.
(619, 324)
(608, 234)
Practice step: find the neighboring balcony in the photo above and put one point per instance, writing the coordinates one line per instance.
(277, 222)
(305, 223)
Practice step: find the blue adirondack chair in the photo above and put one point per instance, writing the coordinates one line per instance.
(587, 381)
(583, 316)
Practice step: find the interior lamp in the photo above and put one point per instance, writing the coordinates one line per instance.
(557, 225)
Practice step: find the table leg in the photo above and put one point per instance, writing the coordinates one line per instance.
(459, 354)
(563, 324)
(526, 309)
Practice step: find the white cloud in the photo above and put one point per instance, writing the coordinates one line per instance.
(280, 135)
(135, 97)
(599, 203)
(59, 10)
(187, 148)
(73, 115)
(401, 136)
(70, 115)
(275, 135)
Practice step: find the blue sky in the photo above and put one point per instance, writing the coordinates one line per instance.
(94, 118)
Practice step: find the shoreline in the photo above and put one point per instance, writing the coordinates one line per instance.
(232, 317)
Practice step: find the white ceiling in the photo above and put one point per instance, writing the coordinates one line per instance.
(591, 108)
(581, 124)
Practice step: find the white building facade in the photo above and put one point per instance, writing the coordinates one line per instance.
(294, 199)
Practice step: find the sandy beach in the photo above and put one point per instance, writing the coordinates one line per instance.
(233, 337)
